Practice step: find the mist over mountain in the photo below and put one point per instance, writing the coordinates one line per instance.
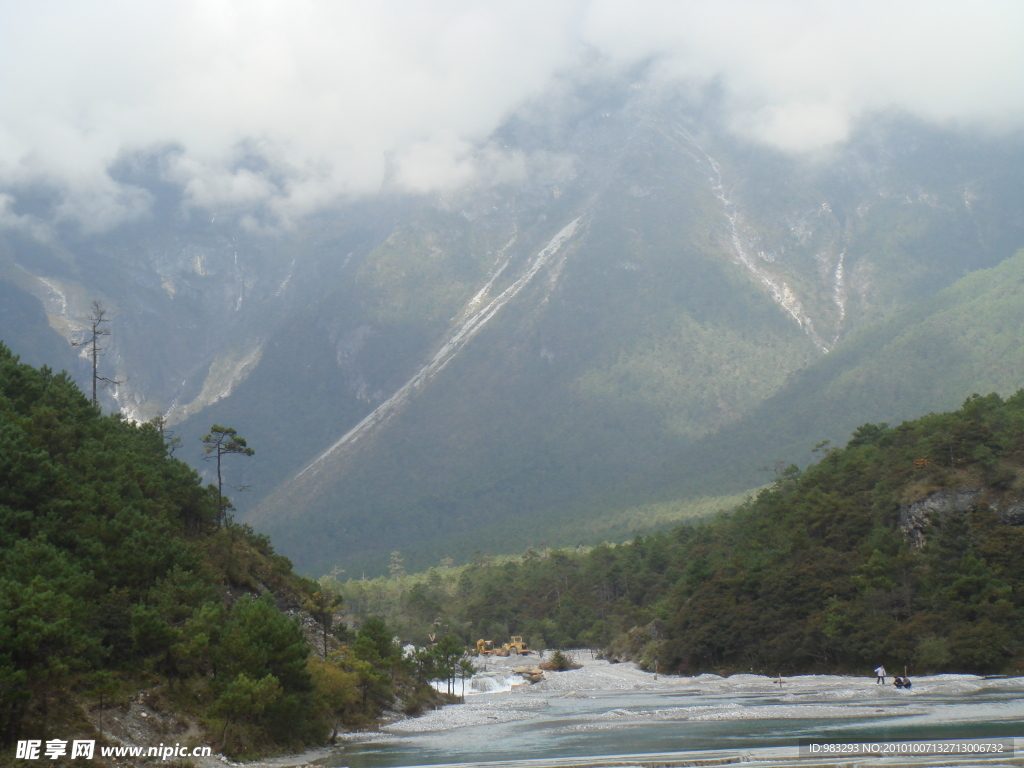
(471, 283)
(668, 304)
(622, 324)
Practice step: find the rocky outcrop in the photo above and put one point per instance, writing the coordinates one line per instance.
(914, 518)
(1012, 513)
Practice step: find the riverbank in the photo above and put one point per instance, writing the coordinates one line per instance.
(830, 696)
(604, 711)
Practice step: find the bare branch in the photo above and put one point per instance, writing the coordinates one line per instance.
(97, 318)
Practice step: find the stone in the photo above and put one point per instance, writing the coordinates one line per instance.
(914, 518)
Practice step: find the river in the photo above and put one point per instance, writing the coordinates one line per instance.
(604, 709)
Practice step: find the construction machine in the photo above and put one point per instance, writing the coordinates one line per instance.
(516, 646)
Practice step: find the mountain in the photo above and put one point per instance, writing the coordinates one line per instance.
(653, 327)
(904, 546)
(641, 308)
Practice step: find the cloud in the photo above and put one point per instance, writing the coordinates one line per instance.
(796, 72)
(288, 105)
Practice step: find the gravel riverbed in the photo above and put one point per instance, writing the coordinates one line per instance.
(829, 697)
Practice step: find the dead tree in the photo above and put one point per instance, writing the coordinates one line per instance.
(97, 318)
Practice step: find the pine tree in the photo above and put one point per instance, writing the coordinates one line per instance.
(221, 441)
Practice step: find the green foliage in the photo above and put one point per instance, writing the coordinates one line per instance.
(246, 699)
(337, 688)
(258, 638)
(218, 443)
(444, 660)
(559, 662)
(814, 574)
(322, 605)
(375, 645)
(647, 365)
(114, 573)
(360, 681)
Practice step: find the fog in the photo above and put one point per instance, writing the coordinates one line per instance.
(286, 106)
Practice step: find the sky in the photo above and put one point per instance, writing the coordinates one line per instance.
(288, 106)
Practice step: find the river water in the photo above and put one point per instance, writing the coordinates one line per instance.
(606, 709)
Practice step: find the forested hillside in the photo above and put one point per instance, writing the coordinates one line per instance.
(638, 317)
(904, 547)
(966, 338)
(116, 578)
(667, 347)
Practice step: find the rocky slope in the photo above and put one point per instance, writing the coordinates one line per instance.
(565, 343)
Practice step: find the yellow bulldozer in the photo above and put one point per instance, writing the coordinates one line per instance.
(516, 646)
